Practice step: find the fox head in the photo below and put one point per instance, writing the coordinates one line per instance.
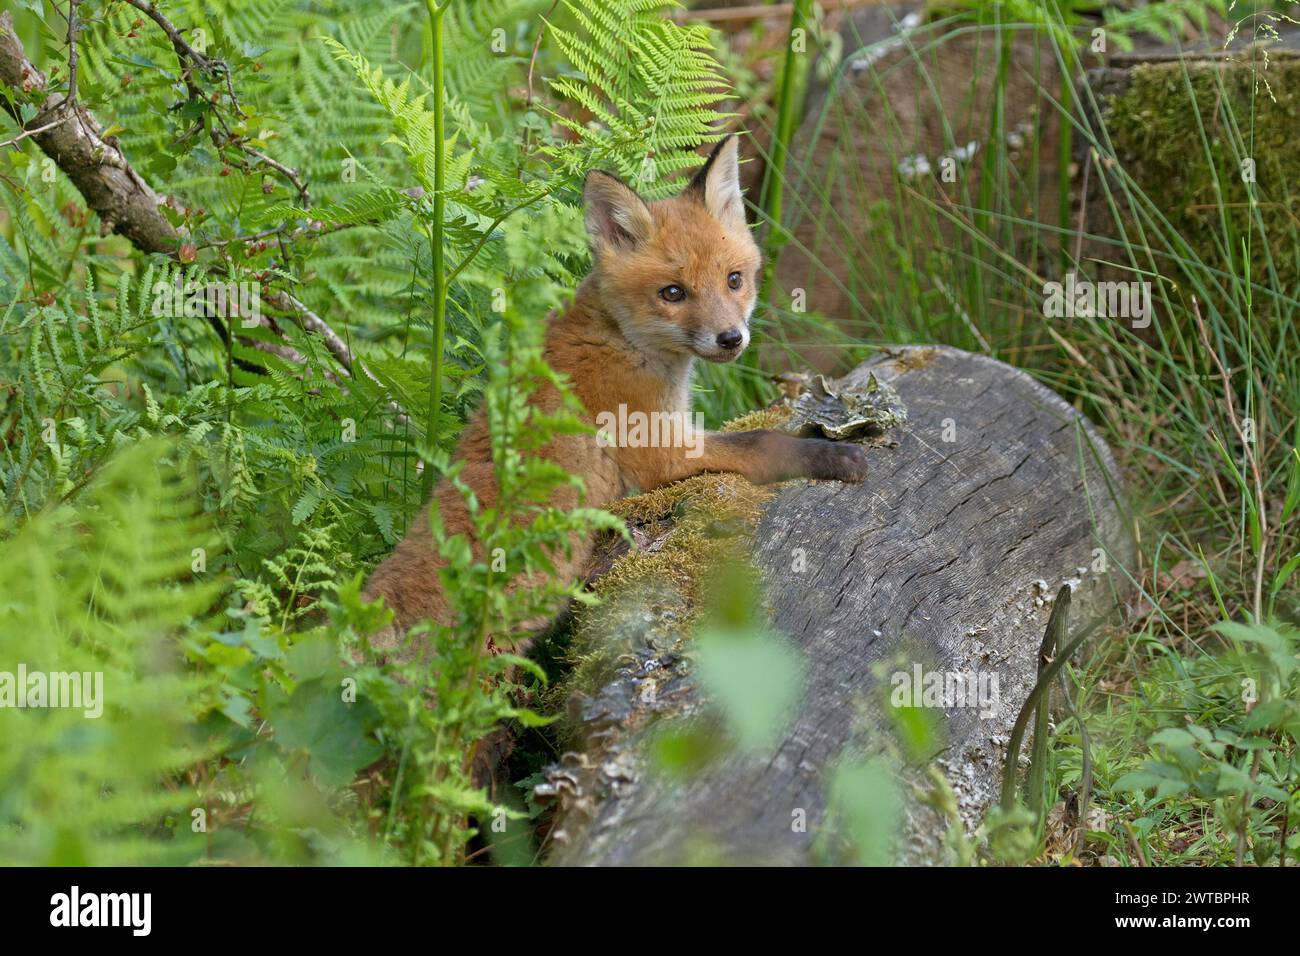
(680, 276)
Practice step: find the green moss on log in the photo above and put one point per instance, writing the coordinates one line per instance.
(650, 596)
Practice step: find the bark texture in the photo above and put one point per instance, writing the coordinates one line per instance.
(124, 202)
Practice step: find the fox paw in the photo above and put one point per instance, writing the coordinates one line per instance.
(835, 461)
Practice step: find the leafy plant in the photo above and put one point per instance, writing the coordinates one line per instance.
(100, 592)
(648, 85)
(301, 151)
(1243, 757)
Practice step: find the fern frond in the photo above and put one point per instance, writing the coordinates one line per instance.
(105, 588)
(648, 85)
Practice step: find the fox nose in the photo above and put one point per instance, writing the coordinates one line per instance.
(731, 338)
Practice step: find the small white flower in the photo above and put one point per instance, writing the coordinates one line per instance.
(913, 167)
(964, 153)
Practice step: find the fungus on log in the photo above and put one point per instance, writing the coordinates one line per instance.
(992, 494)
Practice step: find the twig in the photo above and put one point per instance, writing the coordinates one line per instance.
(284, 232)
(314, 323)
(1247, 801)
(537, 45)
(1282, 834)
(33, 132)
(528, 100)
(281, 350)
(334, 343)
(1133, 842)
(179, 43)
(72, 53)
(1083, 205)
(289, 174)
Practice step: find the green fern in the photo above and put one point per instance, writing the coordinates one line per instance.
(106, 587)
(296, 475)
(649, 84)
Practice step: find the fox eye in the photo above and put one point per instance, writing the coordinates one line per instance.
(672, 293)
(735, 280)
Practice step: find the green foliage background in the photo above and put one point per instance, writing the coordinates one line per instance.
(192, 514)
(119, 415)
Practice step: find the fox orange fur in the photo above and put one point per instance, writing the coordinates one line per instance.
(672, 281)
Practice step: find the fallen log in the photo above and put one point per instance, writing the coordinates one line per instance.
(991, 495)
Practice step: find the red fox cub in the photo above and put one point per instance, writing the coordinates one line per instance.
(672, 281)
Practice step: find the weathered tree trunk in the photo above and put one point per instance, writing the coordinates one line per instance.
(948, 556)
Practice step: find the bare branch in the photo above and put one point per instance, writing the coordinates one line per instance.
(286, 352)
(312, 322)
(72, 51)
(313, 230)
(32, 132)
(182, 47)
(290, 174)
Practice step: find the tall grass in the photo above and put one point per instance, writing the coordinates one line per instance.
(1200, 408)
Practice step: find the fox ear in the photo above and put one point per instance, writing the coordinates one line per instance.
(717, 184)
(616, 216)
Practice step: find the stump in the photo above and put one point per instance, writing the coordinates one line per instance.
(994, 493)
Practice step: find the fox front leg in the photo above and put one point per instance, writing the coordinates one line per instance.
(762, 456)
(765, 456)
